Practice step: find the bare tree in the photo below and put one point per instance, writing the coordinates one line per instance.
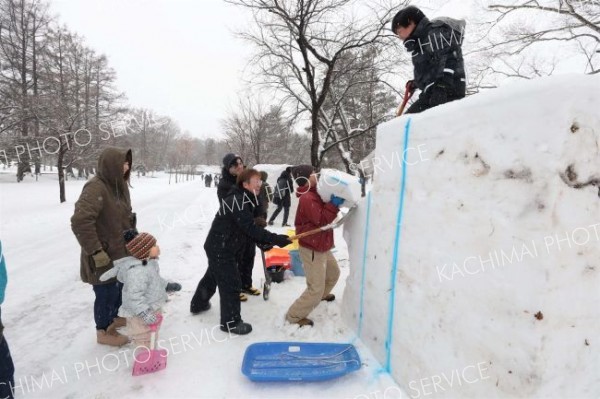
(519, 34)
(299, 47)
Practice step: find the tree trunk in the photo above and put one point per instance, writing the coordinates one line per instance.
(61, 175)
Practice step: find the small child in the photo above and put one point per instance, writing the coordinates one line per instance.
(144, 290)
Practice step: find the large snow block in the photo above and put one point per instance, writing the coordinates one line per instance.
(475, 259)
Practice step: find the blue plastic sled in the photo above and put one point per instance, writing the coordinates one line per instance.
(299, 361)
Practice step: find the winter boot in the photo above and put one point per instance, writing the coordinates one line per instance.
(118, 322)
(196, 308)
(239, 327)
(328, 298)
(251, 290)
(173, 287)
(116, 339)
(305, 322)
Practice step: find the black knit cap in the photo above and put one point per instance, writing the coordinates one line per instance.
(229, 159)
(302, 173)
(404, 16)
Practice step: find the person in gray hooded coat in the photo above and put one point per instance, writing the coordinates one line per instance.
(144, 290)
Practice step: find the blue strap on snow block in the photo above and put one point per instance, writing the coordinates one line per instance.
(364, 266)
(299, 361)
(3, 275)
(392, 302)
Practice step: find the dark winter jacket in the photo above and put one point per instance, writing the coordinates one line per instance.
(283, 192)
(226, 183)
(435, 47)
(103, 213)
(234, 224)
(312, 213)
(3, 275)
(3, 282)
(264, 196)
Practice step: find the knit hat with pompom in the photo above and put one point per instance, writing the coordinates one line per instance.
(139, 245)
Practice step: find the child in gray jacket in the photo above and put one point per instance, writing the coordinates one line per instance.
(144, 290)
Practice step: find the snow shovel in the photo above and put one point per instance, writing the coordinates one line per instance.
(267, 284)
(407, 95)
(150, 360)
(330, 226)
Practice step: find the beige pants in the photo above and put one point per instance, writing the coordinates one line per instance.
(139, 332)
(322, 272)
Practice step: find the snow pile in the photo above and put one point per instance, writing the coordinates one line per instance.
(474, 264)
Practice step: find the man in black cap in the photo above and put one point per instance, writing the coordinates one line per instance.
(233, 166)
(435, 47)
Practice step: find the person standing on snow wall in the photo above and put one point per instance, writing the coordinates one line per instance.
(282, 196)
(102, 214)
(435, 47)
(321, 268)
(7, 368)
(232, 229)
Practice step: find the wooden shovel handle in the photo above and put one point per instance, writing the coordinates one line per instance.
(306, 233)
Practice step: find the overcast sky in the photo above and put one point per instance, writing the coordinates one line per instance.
(177, 57)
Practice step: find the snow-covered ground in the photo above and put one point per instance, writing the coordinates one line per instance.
(49, 319)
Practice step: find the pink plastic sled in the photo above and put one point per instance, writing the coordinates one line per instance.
(150, 360)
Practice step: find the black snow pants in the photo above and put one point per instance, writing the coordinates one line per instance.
(434, 96)
(223, 273)
(245, 262)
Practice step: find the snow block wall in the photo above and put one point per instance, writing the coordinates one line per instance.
(475, 259)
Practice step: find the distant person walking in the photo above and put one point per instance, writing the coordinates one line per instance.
(282, 196)
(265, 196)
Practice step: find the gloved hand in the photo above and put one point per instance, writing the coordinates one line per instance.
(411, 86)
(101, 259)
(172, 287)
(281, 240)
(149, 316)
(263, 246)
(337, 201)
(260, 221)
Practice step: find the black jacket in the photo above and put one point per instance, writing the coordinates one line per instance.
(226, 183)
(435, 47)
(283, 191)
(263, 199)
(234, 223)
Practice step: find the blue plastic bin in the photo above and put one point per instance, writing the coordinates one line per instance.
(296, 263)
